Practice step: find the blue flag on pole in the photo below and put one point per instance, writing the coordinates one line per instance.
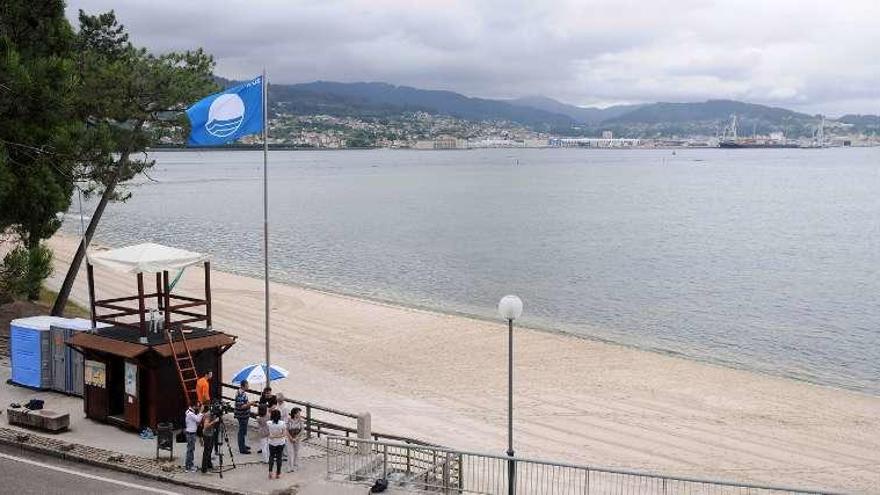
(226, 116)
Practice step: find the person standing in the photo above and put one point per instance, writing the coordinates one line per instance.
(243, 415)
(203, 388)
(281, 405)
(267, 393)
(193, 418)
(295, 427)
(277, 441)
(209, 426)
(263, 430)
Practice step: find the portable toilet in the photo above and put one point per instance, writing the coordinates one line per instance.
(29, 350)
(67, 363)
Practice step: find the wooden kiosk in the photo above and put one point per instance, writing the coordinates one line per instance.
(141, 370)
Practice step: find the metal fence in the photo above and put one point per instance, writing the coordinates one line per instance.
(437, 469)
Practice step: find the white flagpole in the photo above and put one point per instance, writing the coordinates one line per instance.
(266, 214)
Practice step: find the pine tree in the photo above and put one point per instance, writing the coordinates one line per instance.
(38, 122)
(129, 97)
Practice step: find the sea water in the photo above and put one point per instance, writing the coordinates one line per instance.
(761, 259)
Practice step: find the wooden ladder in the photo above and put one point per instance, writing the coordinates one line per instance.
(186, 368)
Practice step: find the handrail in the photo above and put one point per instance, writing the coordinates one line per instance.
(591, 468)
(302, 403)
(311, 421)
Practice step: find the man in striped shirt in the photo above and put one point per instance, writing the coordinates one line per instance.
(243, 414)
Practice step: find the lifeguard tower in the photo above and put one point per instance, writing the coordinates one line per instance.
(142, 369)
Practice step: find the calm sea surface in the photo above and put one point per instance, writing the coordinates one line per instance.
(762, 259)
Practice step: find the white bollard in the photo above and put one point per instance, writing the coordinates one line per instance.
(364, 432)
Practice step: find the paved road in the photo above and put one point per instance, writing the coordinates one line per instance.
(25, 473)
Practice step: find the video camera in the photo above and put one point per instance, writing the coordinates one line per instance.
(219, 408)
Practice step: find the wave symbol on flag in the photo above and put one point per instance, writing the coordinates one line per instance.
(225, 115)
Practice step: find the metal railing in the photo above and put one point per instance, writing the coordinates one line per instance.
(429, 468)
(322, 420)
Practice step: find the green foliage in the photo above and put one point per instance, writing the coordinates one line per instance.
(23, 271)
(76, 107)
(6, 183)
(131, 98)
(361, 139)
(38, 122)
(38, 29)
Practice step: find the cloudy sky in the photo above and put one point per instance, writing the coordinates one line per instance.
(814, 56)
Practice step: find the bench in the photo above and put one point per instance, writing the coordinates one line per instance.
(43, 419)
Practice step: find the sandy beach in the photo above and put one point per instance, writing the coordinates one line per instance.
(443, 378)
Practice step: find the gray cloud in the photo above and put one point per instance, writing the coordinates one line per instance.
(803, 54)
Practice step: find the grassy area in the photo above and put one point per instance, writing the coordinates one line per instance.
(72, 310)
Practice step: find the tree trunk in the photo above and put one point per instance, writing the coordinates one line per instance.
(64, 292)
(31, 245)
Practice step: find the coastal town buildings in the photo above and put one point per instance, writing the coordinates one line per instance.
(421, 130)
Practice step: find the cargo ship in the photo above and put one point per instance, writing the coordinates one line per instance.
(755, 143)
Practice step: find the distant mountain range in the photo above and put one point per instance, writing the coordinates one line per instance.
(580, 115)
(382, 100)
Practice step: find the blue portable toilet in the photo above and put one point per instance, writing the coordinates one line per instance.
(30, 352)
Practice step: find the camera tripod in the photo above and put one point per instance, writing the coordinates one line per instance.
(223, 437)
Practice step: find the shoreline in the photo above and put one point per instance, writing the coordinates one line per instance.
(549, 329)
(290, 147)
(442, 377)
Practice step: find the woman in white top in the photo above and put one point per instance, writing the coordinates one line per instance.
(295, 427)
(277, 441)
(281, 405)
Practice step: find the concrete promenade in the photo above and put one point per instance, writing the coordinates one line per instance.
(104, 446)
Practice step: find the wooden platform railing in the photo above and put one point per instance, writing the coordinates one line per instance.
(172, 309)
(170, 304)
(327, 421)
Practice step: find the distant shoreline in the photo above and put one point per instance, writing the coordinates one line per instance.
(283, 147)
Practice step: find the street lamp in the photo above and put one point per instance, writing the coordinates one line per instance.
(510, 308)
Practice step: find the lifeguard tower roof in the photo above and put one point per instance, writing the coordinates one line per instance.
(146, 257)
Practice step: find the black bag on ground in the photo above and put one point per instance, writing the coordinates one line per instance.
(34, 404)
(379, 486)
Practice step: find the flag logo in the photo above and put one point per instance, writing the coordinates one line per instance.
(225, 115)
(228, 115)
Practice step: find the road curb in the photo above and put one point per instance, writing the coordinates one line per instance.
(85, 454)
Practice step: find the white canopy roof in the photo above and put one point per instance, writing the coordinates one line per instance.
(147, 257)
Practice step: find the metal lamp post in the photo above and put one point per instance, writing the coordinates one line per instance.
(510, 308)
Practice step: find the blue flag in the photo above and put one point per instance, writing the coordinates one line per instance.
(226, 116)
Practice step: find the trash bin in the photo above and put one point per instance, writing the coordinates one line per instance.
(165, 439)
